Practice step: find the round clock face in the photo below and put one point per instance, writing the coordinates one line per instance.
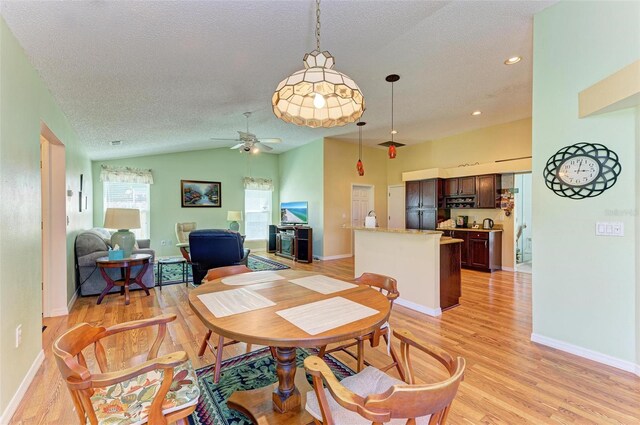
(579, 170)
(583, 170)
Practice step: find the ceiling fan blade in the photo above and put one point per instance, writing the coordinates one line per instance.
(224, 140)
(272, 141)
(238, 146)
(262, 147)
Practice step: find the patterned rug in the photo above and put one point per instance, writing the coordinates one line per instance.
(245, 372)
(172, 273)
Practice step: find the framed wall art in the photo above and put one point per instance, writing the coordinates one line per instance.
(198, 193)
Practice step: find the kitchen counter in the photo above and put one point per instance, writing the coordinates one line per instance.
(466, 229)
(403, 231)
(445, 240)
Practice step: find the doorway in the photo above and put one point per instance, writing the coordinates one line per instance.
(53, 224)
(522, 234)
(362, 202)
(396, 207)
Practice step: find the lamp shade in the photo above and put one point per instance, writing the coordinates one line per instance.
(122, 218)
(234, 215)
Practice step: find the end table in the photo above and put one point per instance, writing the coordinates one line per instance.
(125, 266)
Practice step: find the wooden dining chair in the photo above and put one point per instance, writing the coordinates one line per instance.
(160, 390)
(388, 286)
(373, 397)
(213, 274)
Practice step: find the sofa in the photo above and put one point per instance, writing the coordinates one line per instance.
(211, 248)
(94, 243)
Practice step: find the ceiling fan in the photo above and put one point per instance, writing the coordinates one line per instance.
(248, 142)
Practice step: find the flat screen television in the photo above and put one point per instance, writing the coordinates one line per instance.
(294, 213)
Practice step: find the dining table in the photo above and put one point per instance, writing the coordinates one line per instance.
(286, 309)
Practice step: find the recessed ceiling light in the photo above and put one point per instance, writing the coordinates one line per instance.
(476, 113)
(512, 61)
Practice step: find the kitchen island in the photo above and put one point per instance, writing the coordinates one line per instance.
(413, 258)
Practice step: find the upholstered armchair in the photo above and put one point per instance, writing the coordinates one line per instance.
(93, 244)
(211, 248)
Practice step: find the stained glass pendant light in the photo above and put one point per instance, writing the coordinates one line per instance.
(359, 165)
(318, 95)
(392, 145)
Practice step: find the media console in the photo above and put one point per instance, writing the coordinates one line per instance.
(293, 242)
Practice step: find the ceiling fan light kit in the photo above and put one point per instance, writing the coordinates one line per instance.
(318, 95)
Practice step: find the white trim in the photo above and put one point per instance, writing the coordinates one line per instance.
(508, 269)
(586, 353)
(72, 301)
(335, 257)
(22, 389)
(435, 312)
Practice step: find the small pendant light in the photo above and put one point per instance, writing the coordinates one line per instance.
(359, 165)
(392, 146)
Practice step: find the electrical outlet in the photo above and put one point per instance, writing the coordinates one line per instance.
(18, 335)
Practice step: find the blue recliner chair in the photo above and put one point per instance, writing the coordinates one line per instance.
(211, 248)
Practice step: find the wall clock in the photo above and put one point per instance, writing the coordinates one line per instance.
(583, 170)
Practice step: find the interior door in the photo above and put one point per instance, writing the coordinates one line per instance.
(396, 207)
(361, 204)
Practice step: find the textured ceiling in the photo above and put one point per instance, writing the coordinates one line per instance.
(168, 76)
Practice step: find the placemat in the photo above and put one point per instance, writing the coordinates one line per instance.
(251, 278)
(234, 301)
(323, 284)
(321, 316)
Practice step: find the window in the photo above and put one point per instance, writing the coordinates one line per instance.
(257, 213)
(129, 195)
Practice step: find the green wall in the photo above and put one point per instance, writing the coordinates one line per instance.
(301, 179)
(226, 166)
(585, 286)
(24, 102)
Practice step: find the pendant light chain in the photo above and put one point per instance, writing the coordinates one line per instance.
(360, 143)
(318, 25)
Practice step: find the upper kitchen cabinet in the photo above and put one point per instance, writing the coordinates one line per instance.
(460, 186)
(488, 186)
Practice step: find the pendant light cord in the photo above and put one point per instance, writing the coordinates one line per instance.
(318, 25)
(392, 127)
(360, 143)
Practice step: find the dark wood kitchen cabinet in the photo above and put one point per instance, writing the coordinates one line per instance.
(488, 186)
(424, 201)
(479, 250)
(485, 251)
(460, 186)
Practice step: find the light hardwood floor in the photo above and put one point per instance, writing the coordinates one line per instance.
(509, 380)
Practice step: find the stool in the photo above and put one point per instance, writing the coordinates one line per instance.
(167, 261)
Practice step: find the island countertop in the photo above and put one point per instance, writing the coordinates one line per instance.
(404, 231)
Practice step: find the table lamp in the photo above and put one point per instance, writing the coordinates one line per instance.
(123, 219)
(234, 217)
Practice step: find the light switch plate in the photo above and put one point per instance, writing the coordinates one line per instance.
(615, 228)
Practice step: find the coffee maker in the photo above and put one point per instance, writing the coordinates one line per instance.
(462, 220)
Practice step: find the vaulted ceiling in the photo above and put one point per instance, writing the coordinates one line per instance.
(169, 76)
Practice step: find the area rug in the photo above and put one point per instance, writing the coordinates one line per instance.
(172, 273)
(245, 372)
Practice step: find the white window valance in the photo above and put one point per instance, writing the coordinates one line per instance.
(253, 183)
(125, 175)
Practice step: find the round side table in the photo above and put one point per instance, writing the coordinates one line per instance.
(166, 261)
(125, 266)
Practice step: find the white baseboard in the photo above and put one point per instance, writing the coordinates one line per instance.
(335, 257)
(435, 312)
(586, 353)
(508, 269)
(22, 389)
(72, 301)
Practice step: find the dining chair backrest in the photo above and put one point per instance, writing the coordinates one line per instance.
(388, 286)
(220, 272)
